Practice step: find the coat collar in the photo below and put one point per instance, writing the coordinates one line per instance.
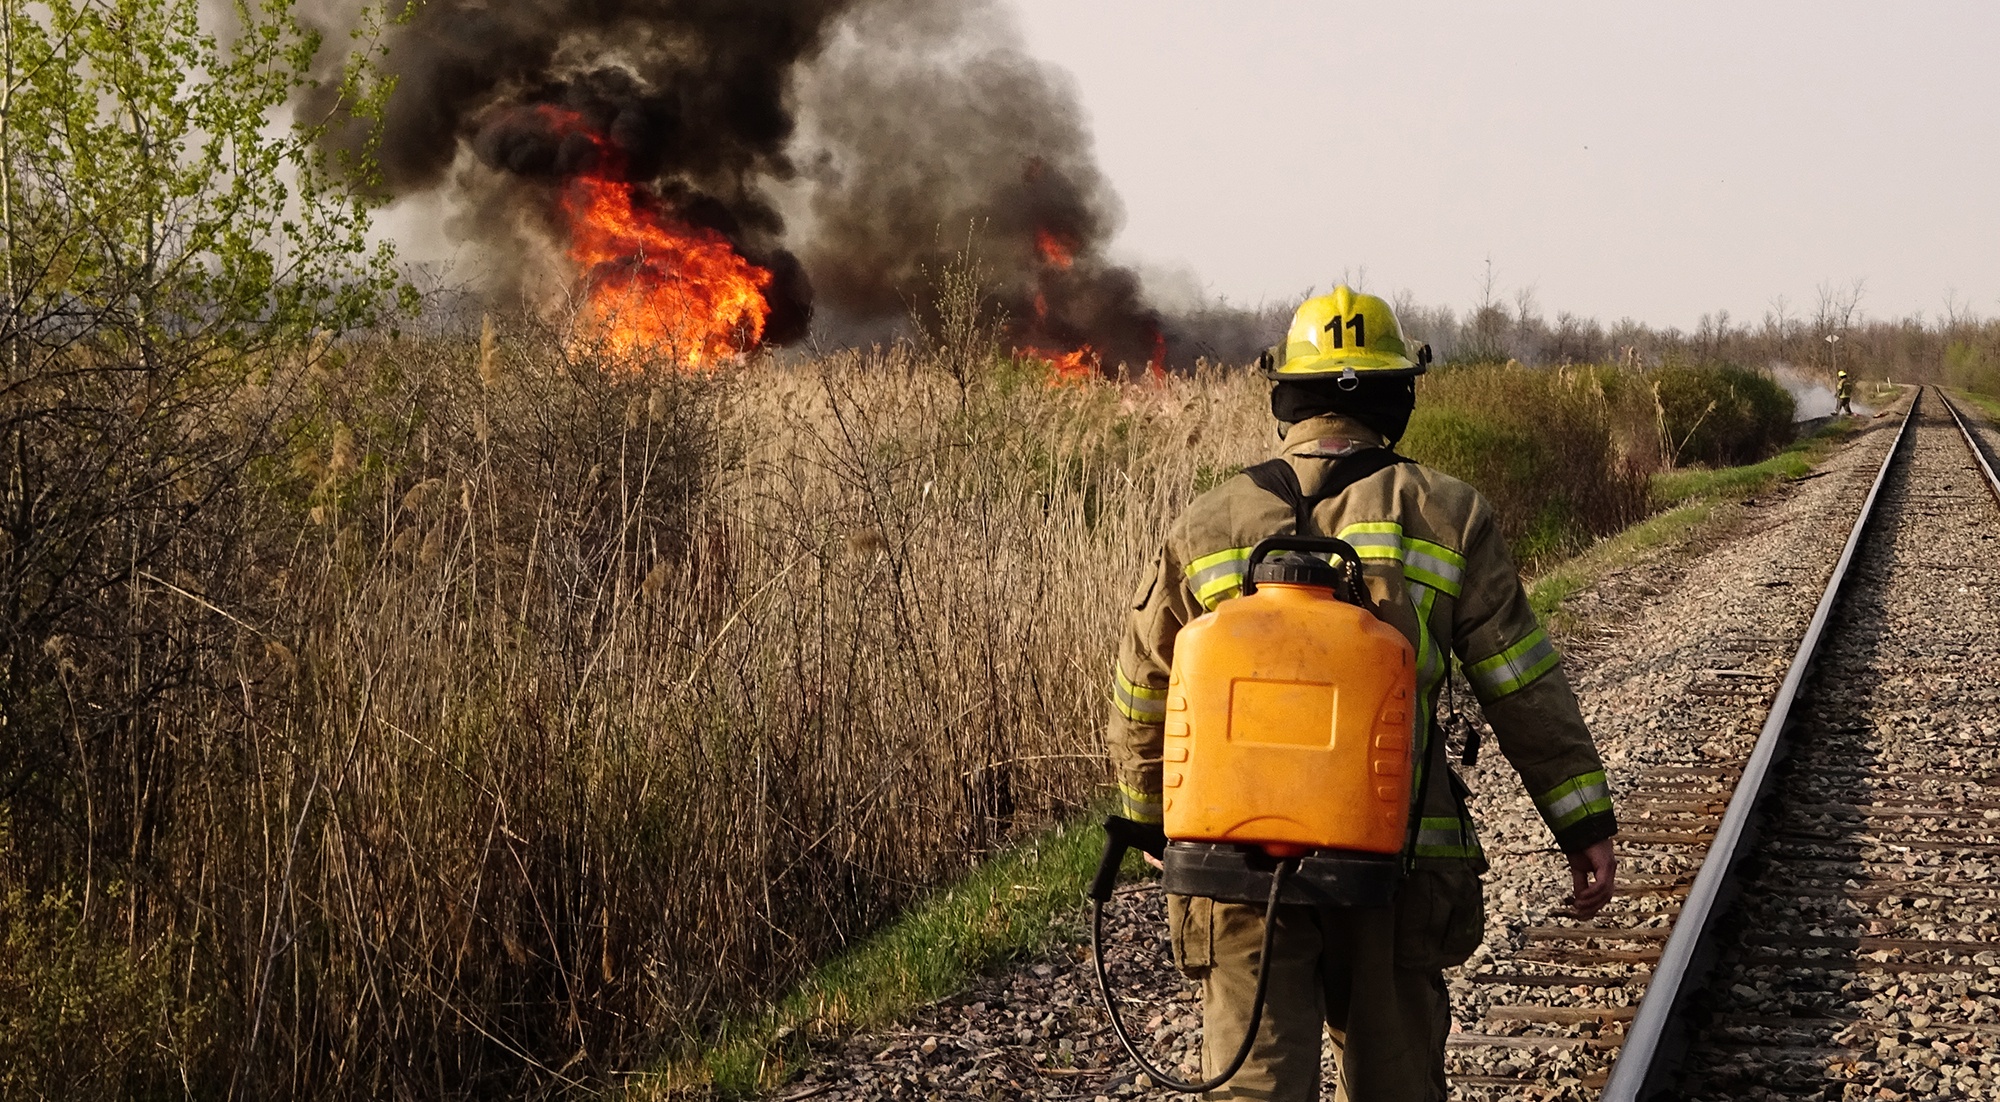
(1329, 437)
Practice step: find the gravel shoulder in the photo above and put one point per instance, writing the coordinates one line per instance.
(1673, 652)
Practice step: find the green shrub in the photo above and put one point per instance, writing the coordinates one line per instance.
(1564, 454)
(1971, 367)
(1720, 415)
(81, 1016)
(1544, 446)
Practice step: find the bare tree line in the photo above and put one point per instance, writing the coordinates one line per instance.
(1955, 346)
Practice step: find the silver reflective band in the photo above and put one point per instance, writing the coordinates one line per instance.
(1575, 800)
(1514, 668)
(1137, 702)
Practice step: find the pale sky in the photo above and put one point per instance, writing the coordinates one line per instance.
(1654, 161)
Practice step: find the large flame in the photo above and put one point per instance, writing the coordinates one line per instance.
(652, 284)
(656, 286)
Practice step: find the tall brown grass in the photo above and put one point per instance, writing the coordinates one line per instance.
(557, 708)
(1563, 457)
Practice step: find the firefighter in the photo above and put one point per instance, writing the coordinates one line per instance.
(1440, 573)
(1843, 389)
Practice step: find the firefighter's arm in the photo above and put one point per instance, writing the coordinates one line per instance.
(1517, 675)
(1139, 685)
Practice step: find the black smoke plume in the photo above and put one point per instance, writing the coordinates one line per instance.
(894, 132)
(930, 128)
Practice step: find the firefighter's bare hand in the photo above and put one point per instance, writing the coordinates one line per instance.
(1154, 861)
(1593, 873)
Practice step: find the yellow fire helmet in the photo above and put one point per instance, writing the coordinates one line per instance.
(1843, 373)
(1345, 335)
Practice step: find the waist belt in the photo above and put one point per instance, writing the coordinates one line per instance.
(1242, 874)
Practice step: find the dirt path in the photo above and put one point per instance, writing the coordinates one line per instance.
(1642, 648)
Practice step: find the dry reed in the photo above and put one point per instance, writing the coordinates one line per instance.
(560, 710)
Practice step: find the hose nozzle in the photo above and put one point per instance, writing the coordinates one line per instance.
(1122, 834)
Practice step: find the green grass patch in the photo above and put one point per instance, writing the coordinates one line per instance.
(1008, 906)
(1548, 592)
(1985, 405)
(1675, 487)
(1691, 497)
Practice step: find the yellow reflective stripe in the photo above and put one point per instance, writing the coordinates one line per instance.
(1435, 565)
(1513, 669)
(1438, 551)
(1140, 807)
(1136, 702)
(1430, 658)
(1138, 715)
(1214, 578)
(1376, 539)
(1431, 670)
(1446, 837)
(1207, 562)
(1219, 590)
(1424, 562)
(1575, 800)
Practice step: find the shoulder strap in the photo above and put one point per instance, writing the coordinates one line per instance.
(1276, 477)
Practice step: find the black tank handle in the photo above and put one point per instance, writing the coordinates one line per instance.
(1312, 545)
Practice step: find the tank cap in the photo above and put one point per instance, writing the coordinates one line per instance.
(1298, 569)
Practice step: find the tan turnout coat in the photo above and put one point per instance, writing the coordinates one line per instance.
(1440, 573)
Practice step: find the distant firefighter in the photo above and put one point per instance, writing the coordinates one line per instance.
(1843, 389)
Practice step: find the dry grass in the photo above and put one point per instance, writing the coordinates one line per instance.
(559, 711)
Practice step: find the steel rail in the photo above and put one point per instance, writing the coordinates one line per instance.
(1971, 441)
(1650, 1051)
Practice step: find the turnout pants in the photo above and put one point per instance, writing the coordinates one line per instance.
(1372, 978)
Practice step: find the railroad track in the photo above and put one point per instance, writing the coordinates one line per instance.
(1818, 917)
(1863, 955)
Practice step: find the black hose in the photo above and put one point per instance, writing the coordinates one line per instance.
(1278, 879)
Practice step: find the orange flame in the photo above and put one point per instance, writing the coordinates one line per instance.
(1079, 366)
(658, 286)
(1056, 252)
(653, 284)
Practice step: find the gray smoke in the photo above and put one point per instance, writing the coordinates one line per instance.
(1811, 397)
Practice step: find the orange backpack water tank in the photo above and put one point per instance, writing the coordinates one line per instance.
(1291, 714)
